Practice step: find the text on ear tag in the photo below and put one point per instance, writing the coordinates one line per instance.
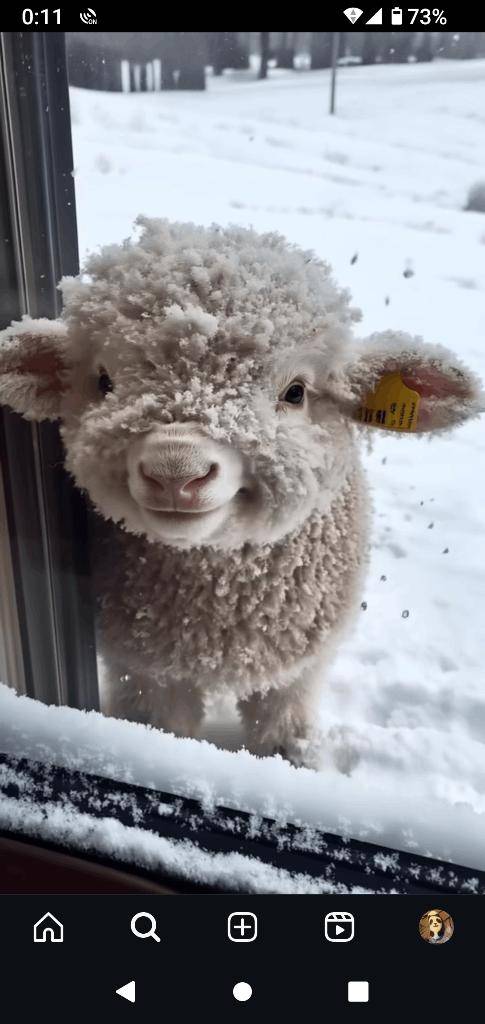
(392, 406)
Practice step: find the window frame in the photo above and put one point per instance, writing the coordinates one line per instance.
(48, 611)
(307, 854)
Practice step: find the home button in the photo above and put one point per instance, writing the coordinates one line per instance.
(48, 929)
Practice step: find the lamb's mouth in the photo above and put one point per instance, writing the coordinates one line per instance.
(182, 527)
(177, 516)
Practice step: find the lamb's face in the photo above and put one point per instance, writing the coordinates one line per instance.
(206, 383)
(186, 462)
(196, 411)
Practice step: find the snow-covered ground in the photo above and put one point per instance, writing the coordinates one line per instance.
(377, 190)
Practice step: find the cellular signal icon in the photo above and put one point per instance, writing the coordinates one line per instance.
(376, 18)
(353, 14)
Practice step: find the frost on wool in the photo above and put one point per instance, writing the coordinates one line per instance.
(205, 308)
(201, 333)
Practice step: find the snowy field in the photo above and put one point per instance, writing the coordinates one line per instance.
(377, 190)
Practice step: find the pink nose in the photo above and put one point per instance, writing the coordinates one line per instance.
(180, 491)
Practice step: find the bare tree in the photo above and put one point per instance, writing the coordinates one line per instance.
(228, 50)
(461, 45)
(370, 47)
(465, 45)
(402, 47)
(93, 67)
(285, 49)
(183, 56)
(395, 47)
(320, 50)
(426, 46)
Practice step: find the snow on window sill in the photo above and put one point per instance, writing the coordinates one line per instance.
(411, 819)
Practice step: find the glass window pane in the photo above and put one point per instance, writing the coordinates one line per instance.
(273, 256)
(378, 191)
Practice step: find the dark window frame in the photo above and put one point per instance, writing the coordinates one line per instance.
(55, 655)
(303, 852)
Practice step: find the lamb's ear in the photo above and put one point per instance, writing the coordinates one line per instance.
(33, 367)
(396, 382)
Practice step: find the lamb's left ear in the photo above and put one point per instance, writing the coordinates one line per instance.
(33, 367)
(396, 382)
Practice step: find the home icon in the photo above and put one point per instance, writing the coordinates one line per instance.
(48, 929)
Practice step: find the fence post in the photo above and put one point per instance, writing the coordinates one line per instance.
(333, 80)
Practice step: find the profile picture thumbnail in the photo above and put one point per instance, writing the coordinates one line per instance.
(436, 927)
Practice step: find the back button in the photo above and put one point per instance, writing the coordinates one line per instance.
(127, 992)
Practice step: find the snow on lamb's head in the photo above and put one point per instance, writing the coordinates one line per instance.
(206, 381)
(209, 301)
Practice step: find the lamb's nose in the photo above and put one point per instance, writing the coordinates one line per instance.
(184, 491)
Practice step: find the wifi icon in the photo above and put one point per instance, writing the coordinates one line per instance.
(353, 14)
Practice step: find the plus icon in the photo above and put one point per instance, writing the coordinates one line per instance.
(242, 926)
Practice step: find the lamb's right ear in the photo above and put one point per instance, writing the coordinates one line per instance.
(33, 367)
(397, 382)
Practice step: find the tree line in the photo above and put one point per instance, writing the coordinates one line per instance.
(182, 58)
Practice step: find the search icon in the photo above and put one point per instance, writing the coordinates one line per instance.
(152, 930)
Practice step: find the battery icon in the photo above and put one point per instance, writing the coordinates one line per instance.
(396, 16)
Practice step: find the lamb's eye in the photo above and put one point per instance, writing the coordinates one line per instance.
(105, 383)
(295, 394)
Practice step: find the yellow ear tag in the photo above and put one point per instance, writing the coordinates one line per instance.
(392, 406)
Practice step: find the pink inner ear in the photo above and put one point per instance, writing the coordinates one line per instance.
(47, 365)
(430, 381)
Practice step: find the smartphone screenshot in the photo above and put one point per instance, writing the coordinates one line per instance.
(242, 516)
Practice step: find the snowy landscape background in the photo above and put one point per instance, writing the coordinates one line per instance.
(378, 191)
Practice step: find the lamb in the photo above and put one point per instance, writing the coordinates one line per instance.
(212, 400)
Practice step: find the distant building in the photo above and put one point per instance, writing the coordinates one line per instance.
(95, 60)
